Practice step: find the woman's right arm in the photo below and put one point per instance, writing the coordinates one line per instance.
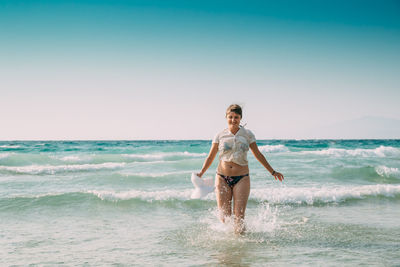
(210, 158)
(260, 157)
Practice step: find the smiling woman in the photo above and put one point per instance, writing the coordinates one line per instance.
(232, 179)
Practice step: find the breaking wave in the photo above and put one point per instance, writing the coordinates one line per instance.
(51, 169)
(311, 195)
(282, 195)
(387, 171)
(273, 148)
(20, 159)
(382, 151)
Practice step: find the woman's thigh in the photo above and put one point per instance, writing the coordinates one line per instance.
(224, 196)
(241, 192)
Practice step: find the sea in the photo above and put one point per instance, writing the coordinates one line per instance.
(128, 203)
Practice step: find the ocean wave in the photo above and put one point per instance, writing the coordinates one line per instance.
(311, 195)
(382, 151)
(73, 158)
(12, 159)
(378, 174)
(21, 159)
(273, 148)
(387, 171)
(155, 174)
(282, 195)
(29, 201)
(164, 155)
(52, 169)
(151, 157)
(10, 146)
(148, 196)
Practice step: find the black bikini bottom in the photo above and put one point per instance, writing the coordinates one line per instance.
(232, 180)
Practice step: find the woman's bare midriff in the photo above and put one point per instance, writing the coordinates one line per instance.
(232, 169)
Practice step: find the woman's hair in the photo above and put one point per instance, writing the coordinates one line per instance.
(234, 108)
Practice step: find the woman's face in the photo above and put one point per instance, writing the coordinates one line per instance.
(233, 119)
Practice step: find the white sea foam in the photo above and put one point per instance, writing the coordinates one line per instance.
(387, 171)
(266, 196)
(152, 157)
(155, 174)
(164, 155)
(273, 149)
(71, 158)
(265, 219)
(309, 195)
(10, 146)
(143, 195)
(281, 195)
(51, 169)
(382, 151)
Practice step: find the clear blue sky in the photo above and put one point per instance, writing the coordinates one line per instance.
(168, 69)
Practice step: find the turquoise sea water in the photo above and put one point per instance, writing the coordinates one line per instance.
(105, 203)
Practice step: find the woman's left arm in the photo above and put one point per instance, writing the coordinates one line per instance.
(260, 157)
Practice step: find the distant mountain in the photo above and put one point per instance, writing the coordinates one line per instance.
(368, 127)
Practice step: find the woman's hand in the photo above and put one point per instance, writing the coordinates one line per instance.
(278, 176)
(199, 174)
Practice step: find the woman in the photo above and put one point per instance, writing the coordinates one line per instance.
(232, 178)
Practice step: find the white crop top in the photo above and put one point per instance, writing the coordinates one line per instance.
(234, 147)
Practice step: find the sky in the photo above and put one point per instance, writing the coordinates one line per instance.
(130, 70)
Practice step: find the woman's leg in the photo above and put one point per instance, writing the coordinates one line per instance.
(241, 192)
(224, 198)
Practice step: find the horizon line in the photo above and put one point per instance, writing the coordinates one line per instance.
(84, 140)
